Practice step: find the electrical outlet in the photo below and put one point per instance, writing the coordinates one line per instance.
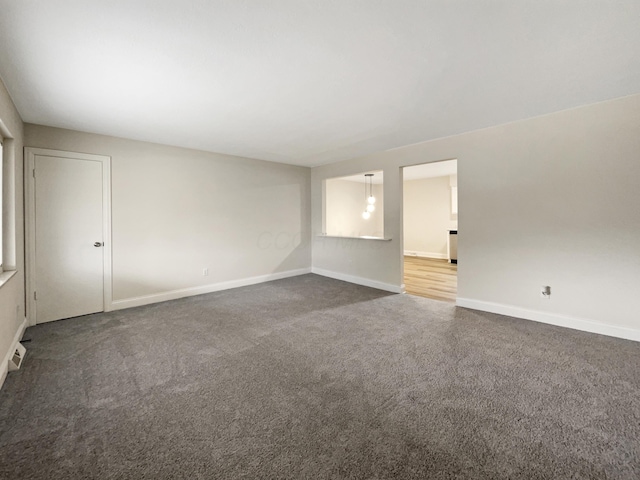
(205, 272)
(545, 291)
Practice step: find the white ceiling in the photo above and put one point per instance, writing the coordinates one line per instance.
(377, 179)
(429, 170)
(310, 82)
(414, 172)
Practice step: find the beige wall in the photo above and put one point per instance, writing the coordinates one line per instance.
(12, 292)
(428, 217)
(551, 200)
(547, 201)
(344, 204)
(177, 211)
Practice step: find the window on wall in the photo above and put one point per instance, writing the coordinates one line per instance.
(353, 206)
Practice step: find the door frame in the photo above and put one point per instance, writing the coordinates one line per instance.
(402, 201)
(30, 227)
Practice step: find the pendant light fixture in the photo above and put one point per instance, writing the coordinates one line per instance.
(369, 199)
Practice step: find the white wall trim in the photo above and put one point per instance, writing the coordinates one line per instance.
(6, 275)
(4, 368)
(213, 287)
(413, 253)
(358, 280)
(30, 219)
(551, 318)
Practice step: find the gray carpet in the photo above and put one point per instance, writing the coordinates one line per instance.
(310, 377)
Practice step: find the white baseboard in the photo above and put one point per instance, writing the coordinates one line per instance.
(213, 287)
(413, 253)
(4, 368)
(551, 318)
(358, 280)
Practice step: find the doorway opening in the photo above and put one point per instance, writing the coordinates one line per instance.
(430, 230)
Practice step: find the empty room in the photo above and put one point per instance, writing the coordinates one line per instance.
(212, 224)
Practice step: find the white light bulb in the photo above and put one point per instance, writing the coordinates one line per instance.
(366, 215)
(371, 199)
(370, 208)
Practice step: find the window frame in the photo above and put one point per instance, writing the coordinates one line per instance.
(8, 205)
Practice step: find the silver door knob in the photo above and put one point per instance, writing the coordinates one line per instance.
(97, 244)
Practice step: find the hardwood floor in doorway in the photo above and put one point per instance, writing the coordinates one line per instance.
(431, 278)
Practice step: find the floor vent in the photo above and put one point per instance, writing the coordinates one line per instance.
(16, 359)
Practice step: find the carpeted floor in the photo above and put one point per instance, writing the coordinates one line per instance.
(310, 377)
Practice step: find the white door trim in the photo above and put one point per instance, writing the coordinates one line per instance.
(30, 192)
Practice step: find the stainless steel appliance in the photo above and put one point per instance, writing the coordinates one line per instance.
(453, 246)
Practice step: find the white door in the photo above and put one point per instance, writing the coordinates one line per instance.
(69, 237)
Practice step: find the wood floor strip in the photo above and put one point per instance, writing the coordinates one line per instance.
(431, 278)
